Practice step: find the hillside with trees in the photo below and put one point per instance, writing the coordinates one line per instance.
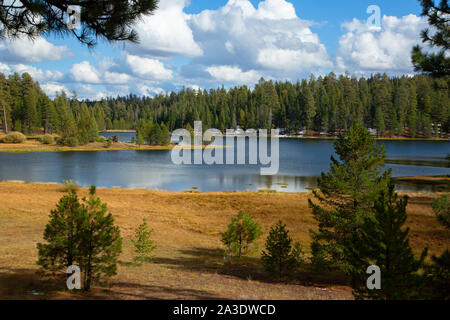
(406, 106)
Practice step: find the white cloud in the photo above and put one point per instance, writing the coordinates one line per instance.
(116, 78)
(366, 49)
(38, 74)
(233, 74)
(31, 51)
(4, 68)
(85, 72)
(149, 91)
(146, 68)
(269, 38)
(276, 9)
(53, 88)
(286, 59)
(166, 33)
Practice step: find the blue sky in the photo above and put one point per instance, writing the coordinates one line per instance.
(205, 44)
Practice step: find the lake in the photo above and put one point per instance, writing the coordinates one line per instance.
(301, 161)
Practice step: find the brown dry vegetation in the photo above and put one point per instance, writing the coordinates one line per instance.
(36, 146)
(189, 261)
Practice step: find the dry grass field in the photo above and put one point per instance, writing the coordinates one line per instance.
(36, 146)
(189, 262)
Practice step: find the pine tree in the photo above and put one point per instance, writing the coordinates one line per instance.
(30, 122)
(436, 64)
(92, 130)
(81, 234)
(441, 207)
(346, 193)
(5, 103)
(241, 232)
(62, 235)
(143, 245)
(50, 118)
(412, 112)
(280, 255)
(101, 243)
(139, 139)
(438, 273)
(165, 135)
(379, 121)
(383, 242)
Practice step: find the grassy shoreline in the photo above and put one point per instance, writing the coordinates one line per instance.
(189, 260)
(32, 144)
(36, 146)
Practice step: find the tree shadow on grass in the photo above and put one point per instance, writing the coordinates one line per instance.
(28, 284)
(206, 260)
(158, 292)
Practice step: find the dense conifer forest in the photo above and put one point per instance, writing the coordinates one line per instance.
(416, 106)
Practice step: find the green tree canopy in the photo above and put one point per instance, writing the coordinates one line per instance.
(281, 255)
(383, 242)
(108, 19)
(241, 233)
(435, 64)
(347, 192)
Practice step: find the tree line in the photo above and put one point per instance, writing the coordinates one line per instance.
(415, 106)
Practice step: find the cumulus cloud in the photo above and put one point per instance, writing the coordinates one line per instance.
(4, 68)
(116, 77)
(31, 51)
(364, 49)
(166, 33)
(148, 90)
(233, 74)
(85, 72)
(38, 74)
(270, 38)
(52, 89)
(147, 68)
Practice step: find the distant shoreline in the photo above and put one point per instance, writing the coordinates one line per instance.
(33, 145)
(312, 137)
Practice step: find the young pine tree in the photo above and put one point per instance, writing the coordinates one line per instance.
(280, 256)
(241, 232)
(62, 235)
(101, 243)
(441, 207)
(384, 242)
(143, 245)
(139, 139)
(438, 272)
(347, 193)
(165, 135)
(81, 234)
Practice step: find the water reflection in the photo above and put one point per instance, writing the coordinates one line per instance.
(301, 162)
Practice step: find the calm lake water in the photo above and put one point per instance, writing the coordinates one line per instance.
(301, 161)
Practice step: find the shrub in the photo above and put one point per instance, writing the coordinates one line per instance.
(47, 139)
(241, 232)
(143, 245)
(70, 141)
(108, 144)
(101, 139)
(69, 185)
(441, 207)
(14, 137)
(280, 256)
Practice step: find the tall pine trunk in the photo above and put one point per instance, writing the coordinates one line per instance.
(5, 122)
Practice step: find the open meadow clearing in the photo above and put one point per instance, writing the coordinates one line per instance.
(189, 262)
